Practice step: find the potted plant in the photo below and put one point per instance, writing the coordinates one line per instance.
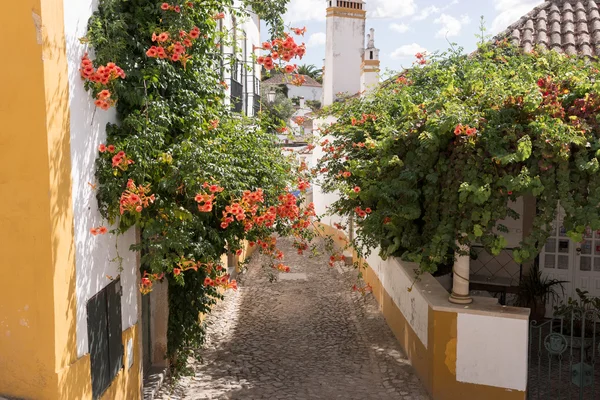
(536, 290)
(578, 319)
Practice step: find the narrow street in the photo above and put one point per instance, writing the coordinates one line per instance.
(306, 336)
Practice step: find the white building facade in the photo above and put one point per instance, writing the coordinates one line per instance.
(241, 74)
(344, 48)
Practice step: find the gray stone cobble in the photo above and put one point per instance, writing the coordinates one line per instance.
(310, 337)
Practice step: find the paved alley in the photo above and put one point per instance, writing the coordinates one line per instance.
(306, 336)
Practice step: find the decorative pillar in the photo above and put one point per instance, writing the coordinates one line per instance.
(460, 272)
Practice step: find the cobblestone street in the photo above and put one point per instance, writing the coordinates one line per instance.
(306, 336)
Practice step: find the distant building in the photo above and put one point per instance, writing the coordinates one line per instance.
(311, 90)
(350, 66)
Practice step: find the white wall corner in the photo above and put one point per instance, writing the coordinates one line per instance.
(492, 351)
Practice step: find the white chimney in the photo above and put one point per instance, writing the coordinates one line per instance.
(345, 27)
(369, 69)
(302, 102)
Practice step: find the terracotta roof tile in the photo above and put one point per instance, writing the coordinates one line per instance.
(568, 26)
(279, 79)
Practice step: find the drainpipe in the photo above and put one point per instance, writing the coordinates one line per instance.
(460, 284)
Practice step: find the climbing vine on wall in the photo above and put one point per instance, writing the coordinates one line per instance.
(435, 156)
(194, 178)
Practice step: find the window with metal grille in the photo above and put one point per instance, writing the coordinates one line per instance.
(105, 337)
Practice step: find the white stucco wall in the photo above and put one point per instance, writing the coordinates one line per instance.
(492, 350)
(248, 35)
(396, 282)
(93, 254)
(321, 199)
(369, 79)
(343, 56)
(312, 93)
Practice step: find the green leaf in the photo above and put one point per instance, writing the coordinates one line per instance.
(524, 148)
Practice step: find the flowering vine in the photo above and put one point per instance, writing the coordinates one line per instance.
(435, 157)
(195, 180)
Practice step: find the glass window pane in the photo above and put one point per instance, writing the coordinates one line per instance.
(586, 247)
(585, 264)
(563, 262)
(549, 261)
(597, 247)
(562, 231)
(588, 233)
(550, 246)
(563, 246)
(596, 264)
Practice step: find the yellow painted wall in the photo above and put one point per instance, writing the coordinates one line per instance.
(38, 356)
(75, 381)
(37, 309)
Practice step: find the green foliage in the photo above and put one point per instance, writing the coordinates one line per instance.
(280, 110)
(451, 142)
(166, 114)
(312, 71)
(536, 288)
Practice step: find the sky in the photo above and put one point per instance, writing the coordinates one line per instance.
(405, 27)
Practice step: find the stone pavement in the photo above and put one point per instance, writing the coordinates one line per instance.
(306, 336)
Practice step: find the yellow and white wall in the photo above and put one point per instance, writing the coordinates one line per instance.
(50, 264)
(459, 352)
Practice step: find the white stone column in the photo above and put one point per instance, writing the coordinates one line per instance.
(460, 285)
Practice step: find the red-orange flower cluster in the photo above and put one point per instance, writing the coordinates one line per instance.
(148, 280)
(283, 49)
(466, 130)
(171, 7)
(298, 80)
(173, 49)
(303, 185)
(282, 268)
(362, 289)
(135, 198)
(121, 161)
(101, 77)
(205, 202)
(101, 230)
(365, 118)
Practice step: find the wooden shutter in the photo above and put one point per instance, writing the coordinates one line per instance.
(97, 322)
(105, 337)
(115, 331)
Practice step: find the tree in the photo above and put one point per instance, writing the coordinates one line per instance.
(312, 71)
(282, 108)
(431, 159)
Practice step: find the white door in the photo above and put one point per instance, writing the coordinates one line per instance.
(587, 264)
(577, 263)
(557, 260)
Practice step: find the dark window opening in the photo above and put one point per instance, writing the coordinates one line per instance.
(371, 54)
(105, 337)
(237, 88)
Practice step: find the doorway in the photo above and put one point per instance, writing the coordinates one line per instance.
(577, 263)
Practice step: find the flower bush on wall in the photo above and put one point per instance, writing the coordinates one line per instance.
(434, 156)
(194, 178)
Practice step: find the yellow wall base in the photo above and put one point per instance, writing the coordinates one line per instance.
(75, 381)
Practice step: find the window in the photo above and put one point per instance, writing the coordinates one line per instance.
(105, 337)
